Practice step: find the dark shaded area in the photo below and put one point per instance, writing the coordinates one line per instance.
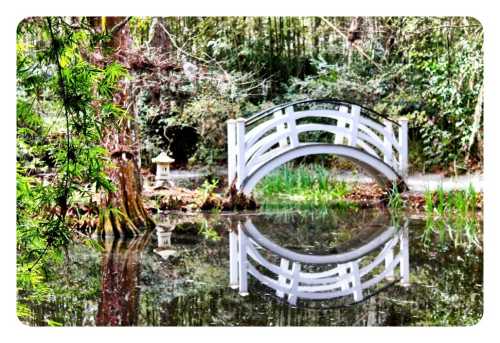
(180, 141)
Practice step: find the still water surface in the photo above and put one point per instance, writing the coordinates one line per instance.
(178, 275)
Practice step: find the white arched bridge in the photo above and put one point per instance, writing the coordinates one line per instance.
(263, 142)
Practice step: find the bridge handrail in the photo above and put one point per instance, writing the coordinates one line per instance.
(262, 145)
(290, 255)
(258, 131)
(330, 276)
(366, 111)
(345, 274)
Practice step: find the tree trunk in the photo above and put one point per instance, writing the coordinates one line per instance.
(122, 212)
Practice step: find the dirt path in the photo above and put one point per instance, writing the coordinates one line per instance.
(416, 182)
(423, 182)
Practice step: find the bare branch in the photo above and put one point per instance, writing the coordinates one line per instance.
(119, 25)
(357, 47)
(478, 111)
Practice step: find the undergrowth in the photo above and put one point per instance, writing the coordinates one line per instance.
(303, 187)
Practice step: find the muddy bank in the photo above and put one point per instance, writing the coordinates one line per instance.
(170, 197)
(363, 195)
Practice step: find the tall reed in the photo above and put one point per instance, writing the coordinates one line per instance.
(453, 215)
(304, 186)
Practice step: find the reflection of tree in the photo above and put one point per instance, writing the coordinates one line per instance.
(120, 267)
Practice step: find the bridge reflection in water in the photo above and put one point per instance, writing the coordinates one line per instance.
(294, 276)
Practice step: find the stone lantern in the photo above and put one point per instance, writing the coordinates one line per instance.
(163, 162)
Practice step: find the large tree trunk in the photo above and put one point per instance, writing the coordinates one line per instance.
(122, 212)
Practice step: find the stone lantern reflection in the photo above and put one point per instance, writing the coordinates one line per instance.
(164, 235)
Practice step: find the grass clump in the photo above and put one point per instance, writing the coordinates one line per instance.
(304, 187)
(395, 200)
(457, 203)
(453, 215)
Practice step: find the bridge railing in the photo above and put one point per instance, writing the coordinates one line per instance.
(342, 275)
(255, 140)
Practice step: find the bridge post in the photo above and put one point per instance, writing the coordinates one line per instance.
(294, 137)
(294, 283)
(280, 128)
(356, 281)
(388, 156)
(242, 261)
(389, 257)
(404, 264)
(231, 151)
(355, 113)
(339, 139)
(233, 259)
(240, 152)
(403, 142)
(343, 273)
(282, 280)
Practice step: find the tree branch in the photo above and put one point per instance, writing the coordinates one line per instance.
(364, 54)
(119, 25)
(478, 111)
(190, 55)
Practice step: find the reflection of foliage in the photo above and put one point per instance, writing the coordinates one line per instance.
(208, 232)
(462, 231)
(322, 231)
(68, 291)
(451, 276)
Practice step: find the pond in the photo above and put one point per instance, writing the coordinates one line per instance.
(186, 273)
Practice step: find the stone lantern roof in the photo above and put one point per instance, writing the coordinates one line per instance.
(163, 158)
